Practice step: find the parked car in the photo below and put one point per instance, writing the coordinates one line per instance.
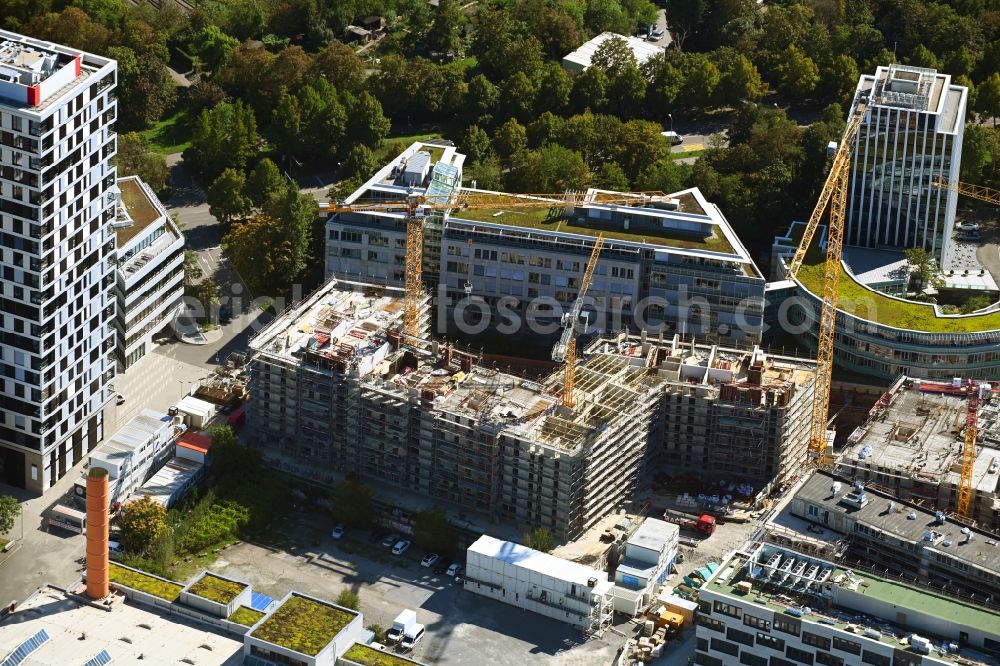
(401, 547)
(115, 551)
(338, 532)
(389, 540)
(225, 315)
(454, 570)
(430, 560)
(967, 226)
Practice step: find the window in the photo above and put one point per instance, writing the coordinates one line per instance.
(828, 659)
(846, 646)
(728, 609)
(787, 625)
(815, 641)
(771, 642)
(757, 622)
(900, 658)
(778, 661)
(704, 607)
(705, 660)
(702, 644)
(350, 236)
(743, 637)
(801, 656)
(719, 645)
(869, 657)
(752, 659)
(813, 510)
(712, 623)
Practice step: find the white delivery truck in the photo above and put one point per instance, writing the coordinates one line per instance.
(406, 630)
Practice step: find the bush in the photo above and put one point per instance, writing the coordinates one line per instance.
(221, 522)
(349, 599)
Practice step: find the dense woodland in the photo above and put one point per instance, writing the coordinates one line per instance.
(277, 91)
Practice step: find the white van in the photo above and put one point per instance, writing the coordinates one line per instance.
(412, 637)
(674, 138)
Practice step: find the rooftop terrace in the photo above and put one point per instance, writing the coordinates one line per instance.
(828, 594)
(140, 208)
(369, 656)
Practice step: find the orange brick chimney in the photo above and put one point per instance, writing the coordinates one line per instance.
(97, 533)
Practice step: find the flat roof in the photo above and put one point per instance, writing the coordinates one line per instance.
(641, 49)
(366, 655)
(129, 633)
(140, 206)
(175, 474)
(979, 552)
(133, 434)
(195, 441)
(654, 534)
(523, 557)
(742, 565)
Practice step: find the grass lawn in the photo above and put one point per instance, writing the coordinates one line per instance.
(144, 582)
(217, 589)
(864, 303)
(303, 625)
(172, 134)
(686, 154)
(3, 543)
(367, 656)
(246, 616)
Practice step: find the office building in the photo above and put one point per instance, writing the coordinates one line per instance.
(336, 390)
(772, 606)
(541, 583)
(911, 444)
(674, 264)
(910, 139)
(150, 276)
(57, 208)
(900, 537)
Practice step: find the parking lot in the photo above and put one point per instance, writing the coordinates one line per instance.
(462, 627)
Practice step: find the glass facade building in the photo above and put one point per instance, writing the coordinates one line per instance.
(911, 138)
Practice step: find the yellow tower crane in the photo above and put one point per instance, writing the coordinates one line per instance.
(834, 195)
(415, 208)
(969, 452)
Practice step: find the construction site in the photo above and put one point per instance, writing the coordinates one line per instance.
(912, 446)
(340, 388)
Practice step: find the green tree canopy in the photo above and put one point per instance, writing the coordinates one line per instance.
(9, 508)
(226, 198)
(143, 521)
(224, 137)
(134, 159)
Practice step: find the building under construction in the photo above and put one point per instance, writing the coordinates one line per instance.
(911, 446)
(337, 390)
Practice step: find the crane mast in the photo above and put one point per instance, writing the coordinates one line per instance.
(565, 350)
(969, 452)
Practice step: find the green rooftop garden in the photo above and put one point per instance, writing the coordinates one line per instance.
(217, 589)
(367, 656)
(857, 300)
(144, 582)
(303, 625)
(551, 219)
(246, 616)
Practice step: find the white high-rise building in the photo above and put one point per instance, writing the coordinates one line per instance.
(911, 138)
(56, 248)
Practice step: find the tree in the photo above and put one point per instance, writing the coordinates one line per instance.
(207, 294)
(433, 532)
(975, 154)
(517, 96)
(232, 462)
(213, 47)
(796, 73)
(295, 213)
(475, 143)
(366, 123)
(988, 100)
(143, 521)
(360, 162)
(590, 89)
(204, 95)
(510, 139)
(841, 78)
(685, 17)
(9, 508)
(555, 89)
(264, 183)
(261, 252)
(71, 27)
(145, 90)
(224, 137)
(341, 66)
(226, 200)
(922, 264)
(134, 159)
(481, 98)
(740, 81)
(540, 539)
(108, 13)
(192, 270)
(664, 175)
(352, 504)
(349, 599)
(443, 35)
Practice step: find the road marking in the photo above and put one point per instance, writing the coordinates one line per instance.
(690, 148)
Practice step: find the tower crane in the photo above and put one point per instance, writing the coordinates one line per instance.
(415, 208)
(564, 351)
(969, 451)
